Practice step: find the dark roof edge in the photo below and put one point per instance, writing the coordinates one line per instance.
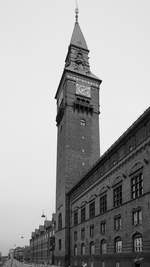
(114, 145)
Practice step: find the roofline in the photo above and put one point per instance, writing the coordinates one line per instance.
(112, 147)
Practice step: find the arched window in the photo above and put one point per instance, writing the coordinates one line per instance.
(75, 250)
(59, 221)
(118, 244)
(103, 246)
(92, 248)
(82, 249)
(137, 242)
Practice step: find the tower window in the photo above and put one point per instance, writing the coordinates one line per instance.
(83, 122)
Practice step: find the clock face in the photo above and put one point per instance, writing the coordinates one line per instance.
(83, 90)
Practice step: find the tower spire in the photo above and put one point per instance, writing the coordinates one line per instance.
(76, 12)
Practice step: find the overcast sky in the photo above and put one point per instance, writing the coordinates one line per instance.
(34, 38)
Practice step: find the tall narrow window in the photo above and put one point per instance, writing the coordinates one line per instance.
(59, 244)
(117, 196)
(117, 222)
(92, 209)
(75, 250)
(137, 243)
(137, 216)
(82, 249)
(137, 186)
(92, 248)
(82, 233)
(75, 235)
(103, 204)
(92, 230)
(103, 227)
(75, 217)
(82, 214)
(118, 245)
(103, 246)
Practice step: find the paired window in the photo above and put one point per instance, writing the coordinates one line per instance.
(92, 248)
(117, 196)
(82, 233)
(82, 249)
(103, 227)
(103, 204)
(137, 186)
(137, 216)
(92, 209)
(137, 243)
(82, 214)
(117, 222)
(118, 245)
(92, 230)
(75, 217)
(103, 246)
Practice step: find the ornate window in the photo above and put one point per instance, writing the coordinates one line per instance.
(75, 217)
(103, 246)
(137, 242)
(92, 248)
(137, 216)
(92, 209)
(59, 221)
(117, 196)
(82, 249)
(118, 245)
(117, 222)
(103, 204)
(83, 217)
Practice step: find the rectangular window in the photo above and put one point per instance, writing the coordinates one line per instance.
(82, 214)
(92, 230)
(118, 246)
(103, 204)
(138, 244)
(75, 217)
(118, 196)
(92, 209)
(82, 233)
(103, 227)
(117, 222)
(137, 217)
(137, 186)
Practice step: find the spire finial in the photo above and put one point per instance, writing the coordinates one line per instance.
(76, 11)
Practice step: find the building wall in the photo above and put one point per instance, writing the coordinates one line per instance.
(117, 167)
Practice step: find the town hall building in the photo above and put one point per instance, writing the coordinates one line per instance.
(102, 201)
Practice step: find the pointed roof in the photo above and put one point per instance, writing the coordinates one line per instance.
(77, 38)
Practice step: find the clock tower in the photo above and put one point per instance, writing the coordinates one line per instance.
(77, 121)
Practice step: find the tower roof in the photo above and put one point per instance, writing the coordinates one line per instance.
(77, 38)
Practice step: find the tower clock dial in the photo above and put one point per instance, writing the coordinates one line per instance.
(83, 90)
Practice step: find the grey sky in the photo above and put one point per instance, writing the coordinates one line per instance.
(34, 37)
